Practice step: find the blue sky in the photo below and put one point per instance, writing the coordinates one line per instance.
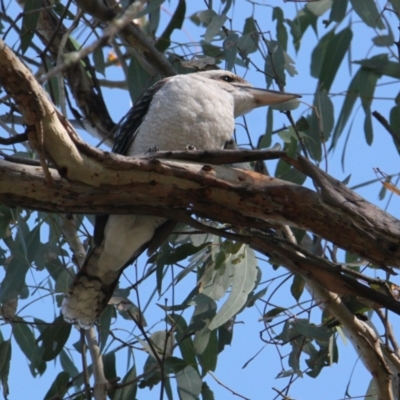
(257, 379)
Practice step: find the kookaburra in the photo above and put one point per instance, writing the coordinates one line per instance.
(196, 109)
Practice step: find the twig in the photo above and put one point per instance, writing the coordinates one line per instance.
(226, 387)
(382, 120)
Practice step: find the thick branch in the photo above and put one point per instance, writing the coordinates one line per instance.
(240, 198)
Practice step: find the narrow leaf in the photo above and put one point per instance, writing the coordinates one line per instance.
(54, 337)
(335, 52)
(368, 12)
(189, 383)
(244, 279)
(59, 387)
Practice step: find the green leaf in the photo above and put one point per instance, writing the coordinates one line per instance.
(275, 64)
(54, 337)
(381, 65)
(338, 10)
(225, 334)
(109, 361)
(203, 312)
(127, 392)
(325, 109)
(319, 52)
(383, 40)
(98, 58)
(206, 392)
(5, 359)
(174, 364)
(395, 125)
(396, 7)
(297, 287)
(368, 12)
(209, 356)
(64, 280)
(368, 130)
(6, 216)
(59, 387)
(104, 328)
(203, 17)
(184, 340)
(347, 108)
(32, 9)
(24, 336)
(230, 46)
(320, 7)
(244, 278)
(151, 6)
(307, 329)
(266, 140)
(139, 79)
(271, 314)
(175, 22)
(214, 27)
(281, 32)
(300, 24)
(67, 364)
(337, 48)
(14, 281)
(189, 383)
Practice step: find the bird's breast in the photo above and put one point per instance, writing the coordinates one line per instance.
(184, 113)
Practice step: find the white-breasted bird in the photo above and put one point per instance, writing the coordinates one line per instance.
(196, 109)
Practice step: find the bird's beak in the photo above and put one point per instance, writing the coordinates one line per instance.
(264, 97)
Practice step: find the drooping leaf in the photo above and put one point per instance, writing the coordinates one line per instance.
(214, 27)
(5, 359)
(209, 356)
(368, 12)
(243, 283)
(230, 46)
(24, 336)
(54, 337)
(105, 323)
(184, 340)
(32, 9)
(127, 392)
(67, 364)
(281, 32)
(338, 10)
(98, 58)
(164, 41)
(336, 50)
(142, 79)
(206, 392)
(297, 287)
(189, 383)
(395, 125)
(300, 24)
(204, 311)
(319, 8)
(6, 216)
(319, 52)
(59, 387)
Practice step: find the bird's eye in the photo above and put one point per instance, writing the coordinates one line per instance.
(227, 78)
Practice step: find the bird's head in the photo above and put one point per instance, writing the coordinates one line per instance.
(245, 96)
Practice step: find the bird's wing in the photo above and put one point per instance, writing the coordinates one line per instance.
(128, 126)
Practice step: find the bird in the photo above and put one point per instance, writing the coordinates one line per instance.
(196, 109)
